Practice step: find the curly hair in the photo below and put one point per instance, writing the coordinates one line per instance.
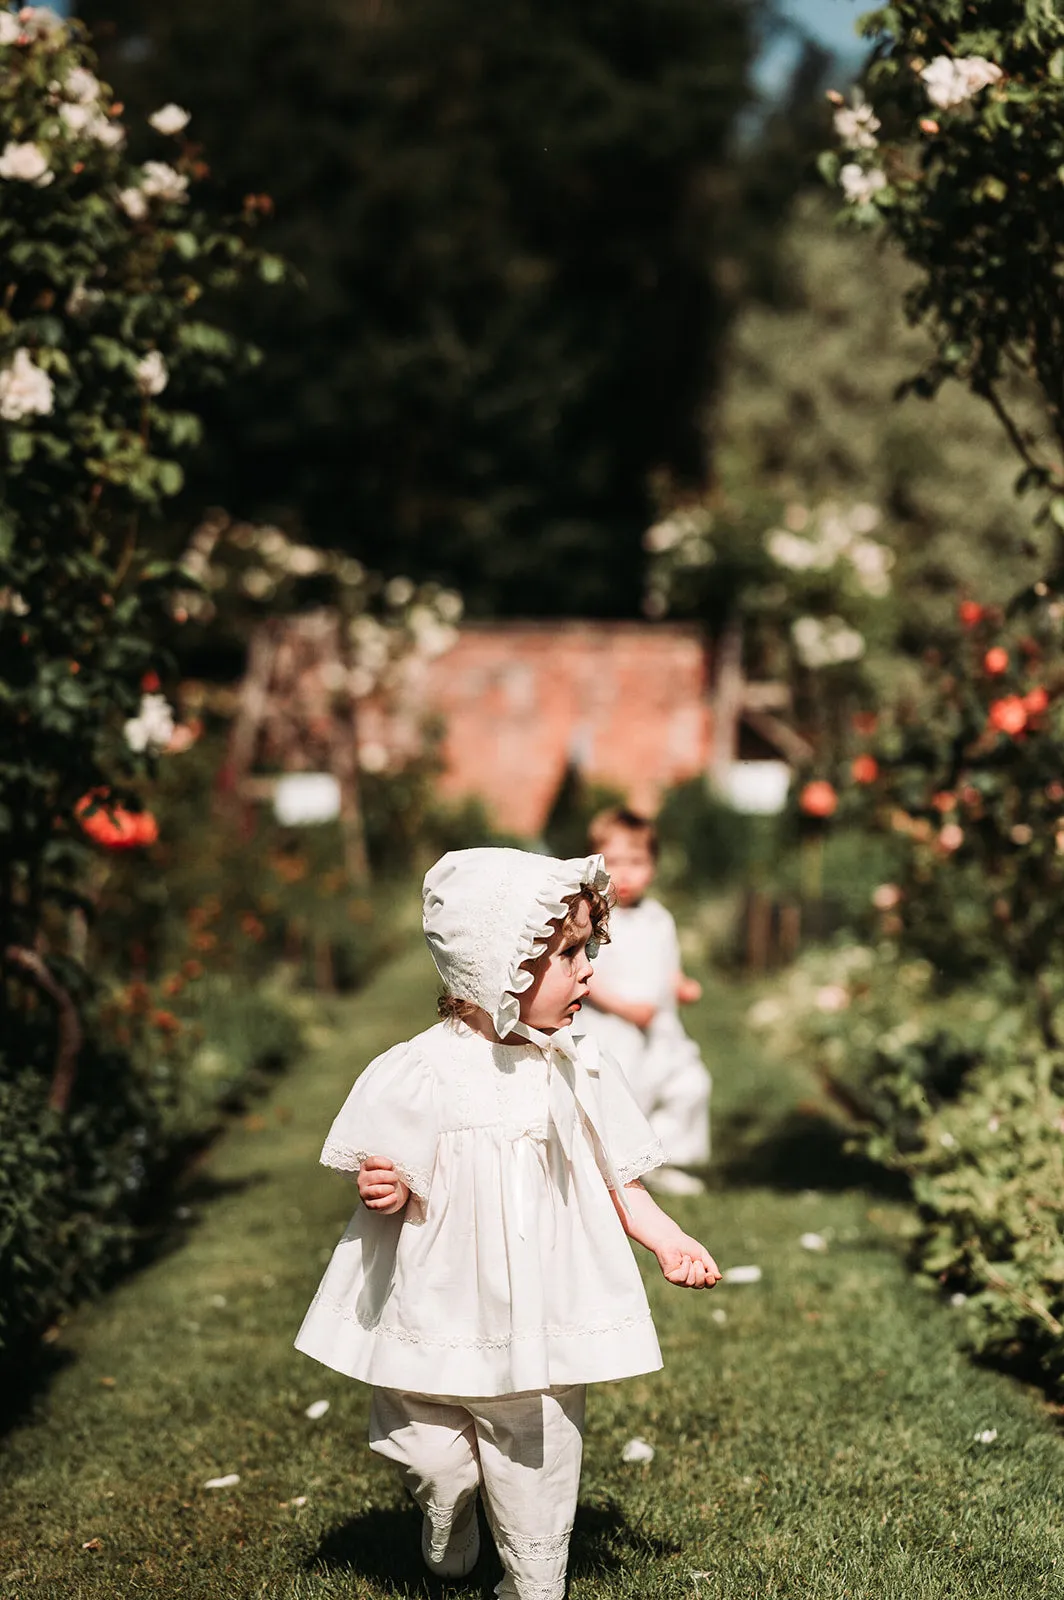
(450, 1008)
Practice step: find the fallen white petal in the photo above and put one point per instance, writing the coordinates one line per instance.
(958, 1299)
(230, 1479)
(637, 1451)
(742, 1275)
(316, 1410)
(987, 1436)
(813, 1241)
(300, 1500)
(718, 1315)
(217, 1300)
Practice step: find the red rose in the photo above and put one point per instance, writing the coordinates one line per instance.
(818, 799)
(865, 769)
(114, 827)
(996, 661)
(151, 683)
(970, 613)
(1008, 715)
(864, 722)
(944, 801)
(1036, 701)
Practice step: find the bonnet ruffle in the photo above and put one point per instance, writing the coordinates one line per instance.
(487, 911)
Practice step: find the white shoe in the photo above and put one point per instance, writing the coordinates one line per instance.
(459, 1556)
(670, 1180)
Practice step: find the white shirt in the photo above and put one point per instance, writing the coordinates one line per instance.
(509, 1269)
(640, 963)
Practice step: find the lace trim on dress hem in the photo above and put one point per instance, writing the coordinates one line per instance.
(653, 1156)
(343, 1159)
(349, 1313)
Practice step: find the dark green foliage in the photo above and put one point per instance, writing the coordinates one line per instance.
(76, 1191)
(522, 228)
(705, 843)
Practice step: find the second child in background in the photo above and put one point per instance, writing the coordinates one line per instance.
(632, 1010)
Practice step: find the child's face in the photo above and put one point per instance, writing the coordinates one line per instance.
(629, 863)
(561, 975)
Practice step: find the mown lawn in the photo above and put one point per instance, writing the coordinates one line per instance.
(814, 1432)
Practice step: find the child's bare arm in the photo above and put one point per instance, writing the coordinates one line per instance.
(688, 990)
(380, 1187)
(682, 1259)
(640, 1013)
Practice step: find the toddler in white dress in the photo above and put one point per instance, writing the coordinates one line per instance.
(487, 1277)
(633, 1012)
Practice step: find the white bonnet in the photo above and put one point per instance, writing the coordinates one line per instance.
(488, 910)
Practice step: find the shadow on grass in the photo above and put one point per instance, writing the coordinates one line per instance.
(386, 1545)
(806, 1150)
(165, 1224)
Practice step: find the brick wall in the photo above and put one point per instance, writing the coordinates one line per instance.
(626, 701)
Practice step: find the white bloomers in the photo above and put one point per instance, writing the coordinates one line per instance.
(521, 1451)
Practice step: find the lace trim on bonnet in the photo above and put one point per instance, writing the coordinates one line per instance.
(550, 906)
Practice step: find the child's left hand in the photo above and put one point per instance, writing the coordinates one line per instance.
(688, 990)
(687, 1263)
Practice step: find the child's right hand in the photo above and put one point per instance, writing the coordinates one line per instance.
(380, 1187)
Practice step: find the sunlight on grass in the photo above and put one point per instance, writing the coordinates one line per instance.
(814, 1433)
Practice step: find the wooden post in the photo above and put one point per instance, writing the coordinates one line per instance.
(727, 699)
(758, 930)
(790, 931)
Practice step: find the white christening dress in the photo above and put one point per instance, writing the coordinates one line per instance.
(509, 1269)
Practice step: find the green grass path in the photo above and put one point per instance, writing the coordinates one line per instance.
(813, 1432)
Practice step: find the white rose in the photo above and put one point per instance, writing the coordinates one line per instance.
(872, 563)
(104, 131)
(26, 163)
(856, 128)
(303, 560)
(81, 300)
(949, 83)
(159, 181)
(791, 551)
(449, 606)
(38, 22)
(152, 373)
(82, 85)
(399, 591)
(10, 28)
(76, 118)
(979, 73)
(858, 185)
(133, 203)
(25, 389)
(153, 728)
(169, 119)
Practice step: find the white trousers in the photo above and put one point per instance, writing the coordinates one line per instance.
(673, 1089)
(521, 1451)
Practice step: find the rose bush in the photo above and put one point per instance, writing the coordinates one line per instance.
(112, 285)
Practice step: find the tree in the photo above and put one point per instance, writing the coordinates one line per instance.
(958, 150)
(515, 222)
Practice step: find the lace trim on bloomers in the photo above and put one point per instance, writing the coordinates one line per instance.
(533, 1591)
(349, 1313)
(653, 1156)
(528, 1549)
(343, 1159)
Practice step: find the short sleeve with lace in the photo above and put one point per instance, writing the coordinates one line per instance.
(390, 1112)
